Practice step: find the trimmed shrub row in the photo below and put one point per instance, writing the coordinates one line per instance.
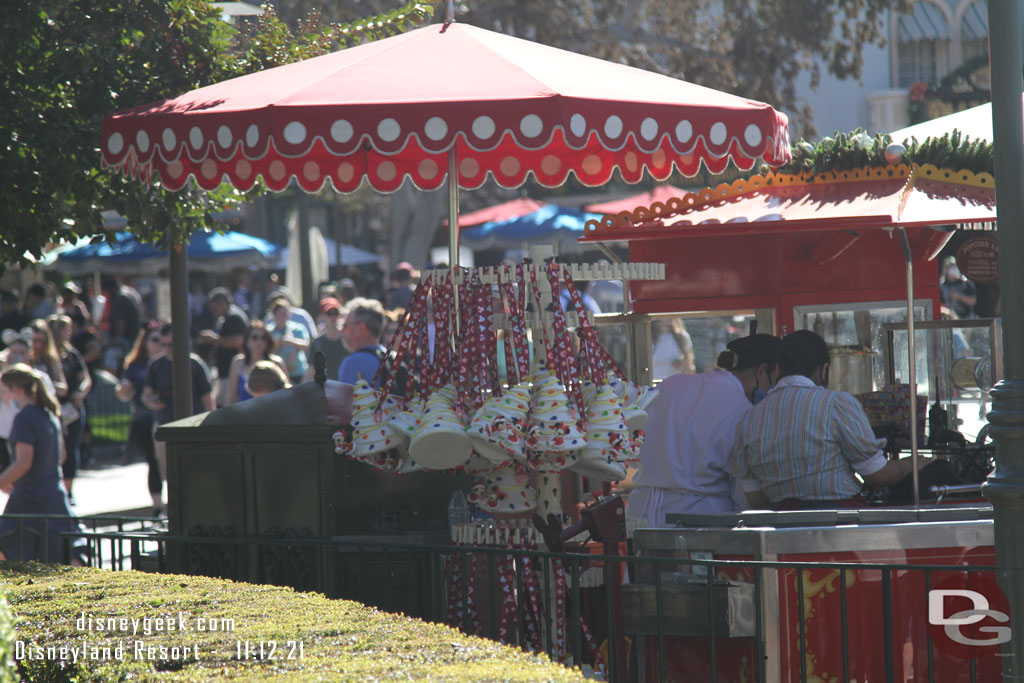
(93, 625)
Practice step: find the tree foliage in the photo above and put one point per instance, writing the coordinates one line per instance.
(753, 48)
(69, 63)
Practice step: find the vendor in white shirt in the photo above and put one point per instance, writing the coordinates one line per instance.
(691, 427)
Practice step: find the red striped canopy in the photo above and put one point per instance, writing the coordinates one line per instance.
(501, 212)
(661, 193)
(392, 109)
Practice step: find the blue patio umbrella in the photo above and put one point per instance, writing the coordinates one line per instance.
(207, 252)
(551, 224)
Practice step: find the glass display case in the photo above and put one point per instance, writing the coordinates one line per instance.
(690, 342)
(854, 333)
(958, 362)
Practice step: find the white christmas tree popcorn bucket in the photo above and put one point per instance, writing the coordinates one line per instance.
(498, 430)
(504, 492)
(549, 408)
(608, 442)
(440, 441)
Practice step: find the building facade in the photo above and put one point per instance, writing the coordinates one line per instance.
(935, 62)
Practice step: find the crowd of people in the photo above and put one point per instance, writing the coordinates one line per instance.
(716, 441)
(57, 340)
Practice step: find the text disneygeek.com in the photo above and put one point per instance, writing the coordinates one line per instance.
(100, 640)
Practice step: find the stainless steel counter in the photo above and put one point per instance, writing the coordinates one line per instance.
(740, 597)
(766, 535)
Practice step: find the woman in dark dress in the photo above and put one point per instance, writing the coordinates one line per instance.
(72, 401)
(33, 480)
(140, 435)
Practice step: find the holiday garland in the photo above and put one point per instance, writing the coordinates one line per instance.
(847, 151)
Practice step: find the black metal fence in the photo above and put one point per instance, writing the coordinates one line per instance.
(671, 619)
(35, 527)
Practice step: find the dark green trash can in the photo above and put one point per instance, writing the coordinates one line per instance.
(266, 468)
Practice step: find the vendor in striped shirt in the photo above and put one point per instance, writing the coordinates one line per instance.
(690, 430)
(804, 446)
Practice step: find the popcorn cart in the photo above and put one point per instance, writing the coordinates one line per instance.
(840, 254)
(817, 623)
(846, 254)
(849, 255)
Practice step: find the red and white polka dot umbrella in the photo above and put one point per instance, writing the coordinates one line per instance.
(407, 106)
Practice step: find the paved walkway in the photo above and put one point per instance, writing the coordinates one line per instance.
(107, 486)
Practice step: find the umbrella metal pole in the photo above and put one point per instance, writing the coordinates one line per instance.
(97, 287)
(182, 372)
(1005, 487)
(908, 256)
(453, 230)
(306, 293)
(453, 208)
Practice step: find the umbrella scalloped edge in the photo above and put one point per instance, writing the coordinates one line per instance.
(693, 201)
(591, 159)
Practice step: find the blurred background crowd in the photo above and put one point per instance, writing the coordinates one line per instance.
(105, 351)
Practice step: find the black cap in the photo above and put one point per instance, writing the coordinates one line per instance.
(802, 352)
(750, 351)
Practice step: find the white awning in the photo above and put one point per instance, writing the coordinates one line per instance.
(974, 25)
(926, 22)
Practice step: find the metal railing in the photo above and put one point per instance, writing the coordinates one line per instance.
(872, 626)
(39, 525)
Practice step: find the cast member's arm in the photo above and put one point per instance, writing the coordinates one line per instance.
(860, 447)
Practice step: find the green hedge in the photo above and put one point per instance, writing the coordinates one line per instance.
(340, 640)
(8, 636)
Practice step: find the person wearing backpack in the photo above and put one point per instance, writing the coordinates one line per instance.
(364, 321)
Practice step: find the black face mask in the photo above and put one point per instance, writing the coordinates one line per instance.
(757, 394)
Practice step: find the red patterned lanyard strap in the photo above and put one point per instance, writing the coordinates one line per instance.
(422, 359)
(466, 349)
(453, 566)
(559, 572)
(480, 295)
(507, 334)
(441, 363)
(419, 294)
(550, 359)
(586, 360)
(490, 337)
(506, 580)
(595, 651)
(406, 346)
(516, 303)
(563, 344)
(598, 352)
(531, 585)
(472, 612)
